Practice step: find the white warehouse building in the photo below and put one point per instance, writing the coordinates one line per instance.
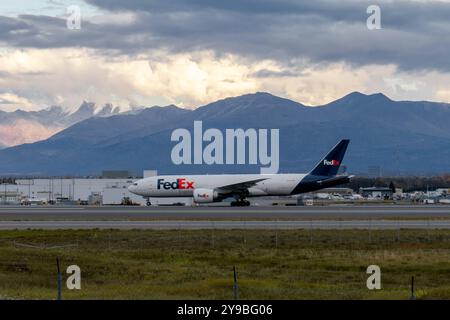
(112, 191)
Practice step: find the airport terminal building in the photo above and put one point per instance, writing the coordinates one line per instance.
(94, 191)
(109, 189)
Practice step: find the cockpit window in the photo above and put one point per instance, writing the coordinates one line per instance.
(135, 184)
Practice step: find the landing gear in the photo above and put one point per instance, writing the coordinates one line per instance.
(240, 203)
(148, 202)
(240, 200)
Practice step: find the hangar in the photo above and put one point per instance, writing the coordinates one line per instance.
(376, 192)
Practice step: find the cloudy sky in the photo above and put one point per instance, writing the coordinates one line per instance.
(193, 52)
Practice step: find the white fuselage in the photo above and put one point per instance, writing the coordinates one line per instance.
(184, 185)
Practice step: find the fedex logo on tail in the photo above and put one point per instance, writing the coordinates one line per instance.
(331, 162)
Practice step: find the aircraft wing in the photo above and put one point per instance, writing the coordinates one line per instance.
(239, 187)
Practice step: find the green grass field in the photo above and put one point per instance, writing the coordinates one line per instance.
(181, 264)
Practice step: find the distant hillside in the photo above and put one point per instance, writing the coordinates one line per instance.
(399, 137)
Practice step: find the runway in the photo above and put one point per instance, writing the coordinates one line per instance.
(298, 217)
(196, 225)
(123, 213)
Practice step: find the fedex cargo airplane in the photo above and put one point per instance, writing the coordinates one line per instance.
(215, 188)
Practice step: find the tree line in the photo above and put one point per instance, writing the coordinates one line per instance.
(409, 183)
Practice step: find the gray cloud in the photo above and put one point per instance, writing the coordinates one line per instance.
(415, 35)
(265, 73)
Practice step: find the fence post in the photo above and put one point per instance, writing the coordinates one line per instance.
(276, 233)
(59, 281)
(235, 285)
(412, 297)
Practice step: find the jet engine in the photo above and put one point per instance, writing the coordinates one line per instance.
(205, 196)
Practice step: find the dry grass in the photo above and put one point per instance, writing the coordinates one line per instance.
(181, 264)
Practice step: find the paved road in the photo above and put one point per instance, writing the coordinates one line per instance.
(183, 224)
(120, 213)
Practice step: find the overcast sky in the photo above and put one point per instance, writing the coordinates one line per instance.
(197, 51)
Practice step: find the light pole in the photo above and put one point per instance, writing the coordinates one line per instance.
(4, 200)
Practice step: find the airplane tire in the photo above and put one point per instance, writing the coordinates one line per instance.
(240, 203)
(149, 203)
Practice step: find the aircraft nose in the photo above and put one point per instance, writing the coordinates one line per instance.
(133, 188)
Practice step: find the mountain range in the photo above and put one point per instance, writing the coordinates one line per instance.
(394, 137)
(21, 126)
